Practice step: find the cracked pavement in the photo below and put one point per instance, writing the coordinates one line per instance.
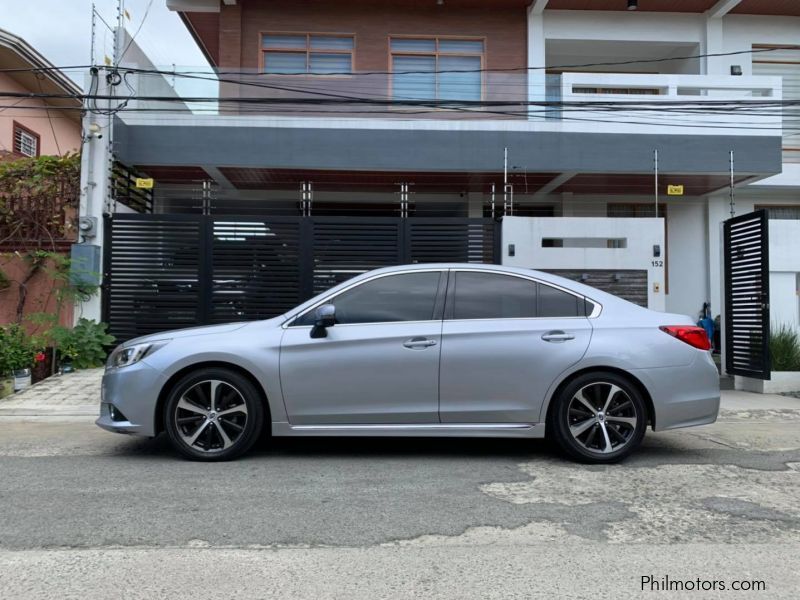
(87, 514)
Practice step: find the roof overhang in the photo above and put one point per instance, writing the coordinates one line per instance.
(262, 155)
(36, 73)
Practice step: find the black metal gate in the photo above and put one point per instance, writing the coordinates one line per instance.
(165, 271)
(746, 251)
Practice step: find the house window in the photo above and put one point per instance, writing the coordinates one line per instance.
(26, 142)
(638, 211)
(784, 62)
(779, 211)
(298, 53)
(437, 68)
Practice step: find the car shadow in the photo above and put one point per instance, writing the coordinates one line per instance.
(358, 447)
(655, 449)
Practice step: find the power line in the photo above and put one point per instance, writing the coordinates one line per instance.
(485, 70)
(138, 29)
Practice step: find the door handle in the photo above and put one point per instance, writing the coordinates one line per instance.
(419, 343)
(557, 336)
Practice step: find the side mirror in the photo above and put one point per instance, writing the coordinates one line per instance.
(325, 317)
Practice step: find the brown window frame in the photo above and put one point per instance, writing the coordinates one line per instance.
(436, 54)
(308, 51)
(19, 126)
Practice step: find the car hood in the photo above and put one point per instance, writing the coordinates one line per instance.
(188, 332)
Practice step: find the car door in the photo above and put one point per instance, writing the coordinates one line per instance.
(505, 338)
(378, 364)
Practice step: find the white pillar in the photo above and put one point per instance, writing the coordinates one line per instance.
(95, 180)
(717, 214)
(536, 55)
(714, 44)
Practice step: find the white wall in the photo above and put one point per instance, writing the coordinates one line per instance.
(688, 259)
(784, 265)
(526, 234)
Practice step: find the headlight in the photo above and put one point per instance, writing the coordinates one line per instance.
(128, 355)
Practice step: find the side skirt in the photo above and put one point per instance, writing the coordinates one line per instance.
(495, 430)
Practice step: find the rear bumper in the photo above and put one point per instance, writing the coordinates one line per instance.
(683, 396)
(134, 392)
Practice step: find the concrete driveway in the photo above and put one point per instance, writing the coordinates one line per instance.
(88, 514)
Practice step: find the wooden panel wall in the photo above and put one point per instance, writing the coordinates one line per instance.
(503, 24)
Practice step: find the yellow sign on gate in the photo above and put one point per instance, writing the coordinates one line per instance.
(145, 184)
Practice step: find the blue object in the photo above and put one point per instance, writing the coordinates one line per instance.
(707, 323)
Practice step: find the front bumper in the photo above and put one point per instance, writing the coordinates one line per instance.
(134, 392)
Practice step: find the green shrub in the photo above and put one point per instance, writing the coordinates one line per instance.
(784, 347)
(83, 345)
(17, 349)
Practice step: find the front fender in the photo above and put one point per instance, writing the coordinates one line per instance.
(256, 352)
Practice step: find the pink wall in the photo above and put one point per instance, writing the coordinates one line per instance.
(40, 297)
(67, 130)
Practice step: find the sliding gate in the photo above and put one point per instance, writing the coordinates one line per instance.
(169, 271)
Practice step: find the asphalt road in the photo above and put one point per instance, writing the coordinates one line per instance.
(88, 514)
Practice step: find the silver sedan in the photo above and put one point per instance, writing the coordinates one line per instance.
(422, 350)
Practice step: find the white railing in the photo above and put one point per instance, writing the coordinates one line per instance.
(677, 103)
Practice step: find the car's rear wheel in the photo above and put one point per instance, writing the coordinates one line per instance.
(213, 414)
(599, 417)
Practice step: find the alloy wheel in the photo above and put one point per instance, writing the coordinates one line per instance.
(602, 417)
(211, 416)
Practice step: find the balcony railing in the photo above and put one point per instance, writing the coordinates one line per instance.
(624, 102)
(698, 104)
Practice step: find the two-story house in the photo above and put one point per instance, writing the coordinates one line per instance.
(32, 127)
(612, 137)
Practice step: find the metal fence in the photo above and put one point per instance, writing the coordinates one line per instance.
(164, 271)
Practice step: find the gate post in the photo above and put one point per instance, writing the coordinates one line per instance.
(206, 270)
(306, 257)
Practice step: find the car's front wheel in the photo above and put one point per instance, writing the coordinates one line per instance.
(599, 418)
(213, 414)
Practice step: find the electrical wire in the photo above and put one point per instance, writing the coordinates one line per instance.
(443, 71)
(138, 29)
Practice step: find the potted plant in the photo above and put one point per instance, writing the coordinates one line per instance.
(19, 354)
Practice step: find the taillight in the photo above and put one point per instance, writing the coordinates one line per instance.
(691, 334)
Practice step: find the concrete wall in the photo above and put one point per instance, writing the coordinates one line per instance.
(688, 257)
(57, 135)
(526, 234)
(784, 267)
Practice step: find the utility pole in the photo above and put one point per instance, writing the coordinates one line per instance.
(94, 28)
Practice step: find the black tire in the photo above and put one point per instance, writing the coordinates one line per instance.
(218, 431)
(598, 437)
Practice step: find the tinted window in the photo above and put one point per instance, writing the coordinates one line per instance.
(555, 303)
(405, 297)
(492, 296)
